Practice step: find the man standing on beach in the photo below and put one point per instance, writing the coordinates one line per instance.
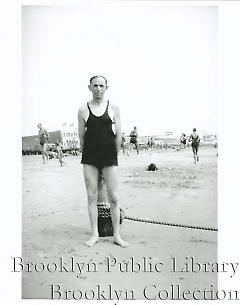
(99, 128)
(134, 138)
(43, 137)
(195, 140)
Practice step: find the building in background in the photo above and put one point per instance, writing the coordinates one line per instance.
(70, 138)
(68, 135)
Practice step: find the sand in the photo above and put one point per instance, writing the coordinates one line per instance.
(55, 226)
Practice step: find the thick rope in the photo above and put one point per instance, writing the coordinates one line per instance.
(104, 212)
(169, 224)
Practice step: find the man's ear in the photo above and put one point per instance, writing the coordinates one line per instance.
(107, 87)
(89, 87)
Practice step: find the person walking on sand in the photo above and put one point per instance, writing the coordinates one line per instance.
(99, 128)
(183, 140)
(123, 141)
(134, 138)
(43, 136)
(151, 143)
(195, 140)
(60, 154)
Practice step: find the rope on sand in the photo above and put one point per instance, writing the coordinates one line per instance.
(104, 213)
(169, 224)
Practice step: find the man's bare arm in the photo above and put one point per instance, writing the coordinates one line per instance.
(81, 127)
(46, 134)
(118, 128)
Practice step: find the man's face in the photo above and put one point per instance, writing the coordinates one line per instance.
(98, 87)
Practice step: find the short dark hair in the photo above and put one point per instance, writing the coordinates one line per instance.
(95, 76)
(194, 129)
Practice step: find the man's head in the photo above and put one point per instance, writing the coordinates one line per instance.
(98, 86)
(194, 129)
(92, 78)
(39, 125)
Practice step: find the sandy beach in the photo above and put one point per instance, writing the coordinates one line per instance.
(55, 226)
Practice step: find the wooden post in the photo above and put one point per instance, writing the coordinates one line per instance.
(105, 227)
(104, 216)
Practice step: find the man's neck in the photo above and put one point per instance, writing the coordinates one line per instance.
(98, 101)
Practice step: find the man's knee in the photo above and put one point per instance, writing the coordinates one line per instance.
(112, 197)
(92, 195)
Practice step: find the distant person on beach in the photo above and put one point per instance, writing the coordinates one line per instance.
(148, 143)
(123, 143)
(134, 138)
(100, 134)
(60, 154)
(151, 143)
(43, 137)
(195, 140)
(183, 140)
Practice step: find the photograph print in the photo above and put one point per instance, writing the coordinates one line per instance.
(119, 152)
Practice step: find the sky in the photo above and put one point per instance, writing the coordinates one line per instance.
(160, 62)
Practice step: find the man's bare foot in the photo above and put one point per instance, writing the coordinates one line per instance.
(92, 241)
(120, 242)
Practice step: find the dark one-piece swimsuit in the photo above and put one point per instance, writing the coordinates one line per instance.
(99, 147)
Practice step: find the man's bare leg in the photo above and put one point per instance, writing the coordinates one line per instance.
(44, 153)
(110, 178)
(43, 156)
(136, 147)
(194, 155)
(91, 180)
(197, 154)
